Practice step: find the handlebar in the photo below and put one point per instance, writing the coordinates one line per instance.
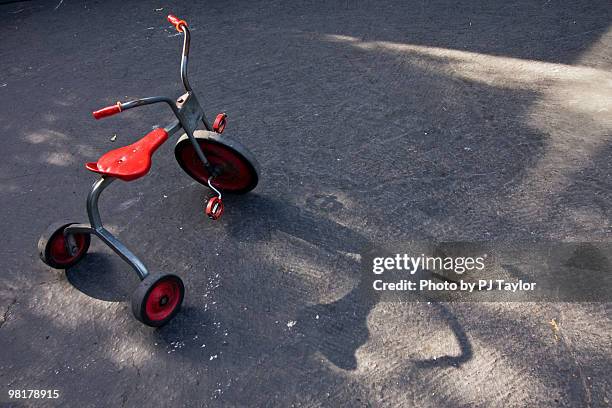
(181, 27)
(108, 111)
(177, 22)
(122, 106)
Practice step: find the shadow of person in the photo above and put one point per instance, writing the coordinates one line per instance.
(465, 347)
(335, 329)
(339, 328)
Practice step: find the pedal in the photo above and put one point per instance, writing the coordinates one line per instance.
(220, 123)
(214, 206)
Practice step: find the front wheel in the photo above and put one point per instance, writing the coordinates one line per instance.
(238, 171)
(157, 299)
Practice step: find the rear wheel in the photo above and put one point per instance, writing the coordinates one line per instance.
(62, 252)
(238, 171)
(158, 299)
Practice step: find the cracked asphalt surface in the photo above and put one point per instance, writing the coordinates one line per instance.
(372, 122)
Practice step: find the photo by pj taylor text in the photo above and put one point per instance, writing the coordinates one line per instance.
(463, 286)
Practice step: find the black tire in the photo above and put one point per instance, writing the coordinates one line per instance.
(148, 303)
(50, 246)
(239, 168)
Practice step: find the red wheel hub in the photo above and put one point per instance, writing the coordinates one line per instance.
(59, 251)
(234, 172)
(163, 299)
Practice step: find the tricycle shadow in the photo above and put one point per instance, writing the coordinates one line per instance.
(270, 216)
(260, 313)
(99, 277)
(333, 330)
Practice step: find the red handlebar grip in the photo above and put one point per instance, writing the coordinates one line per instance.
(108, 111)
(176, 22)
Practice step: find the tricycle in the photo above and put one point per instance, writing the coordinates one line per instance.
(212, 159)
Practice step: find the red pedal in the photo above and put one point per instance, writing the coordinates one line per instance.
(220, 122)
(214, 208)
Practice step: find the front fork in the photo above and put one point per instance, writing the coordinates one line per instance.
(188, 112)
(96, 227)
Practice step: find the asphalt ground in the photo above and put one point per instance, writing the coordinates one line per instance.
(372, 122)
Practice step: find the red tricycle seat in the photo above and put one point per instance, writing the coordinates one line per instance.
(130, 162)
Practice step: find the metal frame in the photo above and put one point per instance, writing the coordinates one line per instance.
(186, 108)
(189, 113)
(96, 228)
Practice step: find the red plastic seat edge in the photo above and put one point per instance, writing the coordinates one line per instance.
(154, 139)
